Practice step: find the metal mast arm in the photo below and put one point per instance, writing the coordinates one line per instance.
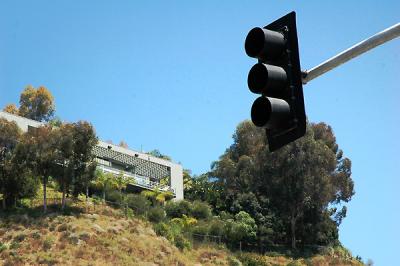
(354, 51)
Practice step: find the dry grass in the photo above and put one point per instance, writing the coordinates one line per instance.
(106, 237)
(101, 238)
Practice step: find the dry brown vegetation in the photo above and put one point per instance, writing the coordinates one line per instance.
(102, 238)
(106, 237)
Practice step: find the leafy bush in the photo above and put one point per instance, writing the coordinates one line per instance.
(175, 209)
(234, 261)
(223, 215)
(46, 259)
(165, 230)
(185, 223)
(35, 235)
(138, 203)
(216, 227)
(48, 243)
(15, 245)
(181, 242)
(156, 214)
(2, 247)
(201, 210)
(251, 259)
(114, 196)
(129, 213)
(295, 263)
(242, 228)
(200, 229)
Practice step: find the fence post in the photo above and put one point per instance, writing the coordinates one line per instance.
(126, 210)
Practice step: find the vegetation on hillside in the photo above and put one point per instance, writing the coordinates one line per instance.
(295, 194)
(287, 204)
(88, 234)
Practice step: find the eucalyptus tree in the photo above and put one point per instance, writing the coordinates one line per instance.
(85, 139)
(37, 104)
(11, 109)
(294, 190)
(40, 148)
(9, 137)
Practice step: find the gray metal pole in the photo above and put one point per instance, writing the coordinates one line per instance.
(354, 51)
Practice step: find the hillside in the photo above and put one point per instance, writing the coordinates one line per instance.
(106, 237)
(102, 238)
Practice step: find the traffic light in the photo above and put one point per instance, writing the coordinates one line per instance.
(277, 77)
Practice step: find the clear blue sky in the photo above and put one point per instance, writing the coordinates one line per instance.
(172, 75)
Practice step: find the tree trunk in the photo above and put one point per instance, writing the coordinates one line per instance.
(15, 202)
(63, 195)
(293, 230)
(44, 194)
(4, 200)
(87, 192)
(104, 195)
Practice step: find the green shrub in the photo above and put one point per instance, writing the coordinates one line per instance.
(216, 227)
(295, 263)
(234, 261)
(201, 210)
(200, 229)
(2, 247)
(114, 196)
(181, 242)
(225, 216)
(48, 243)
(165, 230)
(138, 203)
(273, 254)
(15, 245)
(156, 214)
(129, 213)
(176, 209)
(46, 259)
(251, 259)
(35, 235)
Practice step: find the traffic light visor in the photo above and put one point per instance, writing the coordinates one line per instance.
(267, 79)
(264, 44)
(269, 112)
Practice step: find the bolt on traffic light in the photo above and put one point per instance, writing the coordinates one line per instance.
(277, 77)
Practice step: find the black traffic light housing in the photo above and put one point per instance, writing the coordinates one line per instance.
(277, 77)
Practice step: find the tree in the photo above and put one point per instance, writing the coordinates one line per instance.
(39, 151)
(242, 228)
(11, 108)
(9, 137)
(158, 154)
(104, 181)
(66, 157)
(157, 196)
(296, 186)
(121, 182)
(85, 139)
(37, 104)
(203, 189)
